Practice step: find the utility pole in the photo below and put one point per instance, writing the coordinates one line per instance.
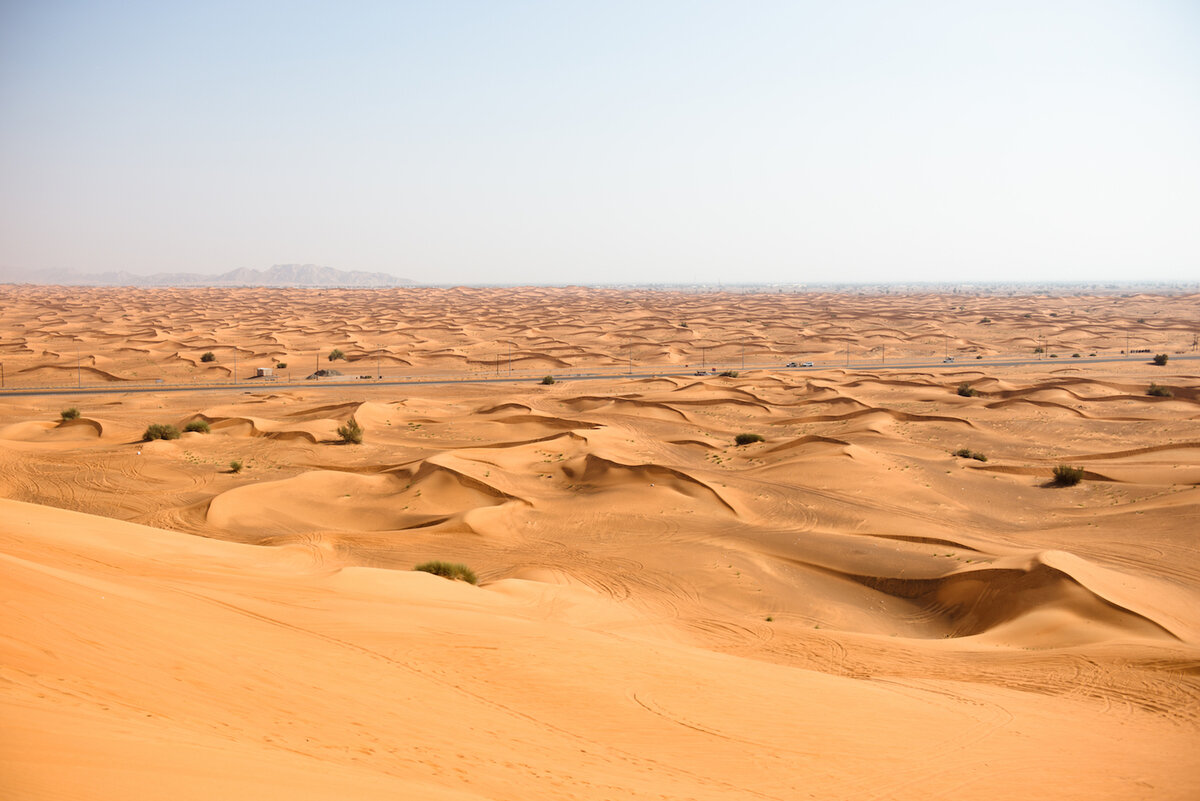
(883, 354)
(629, 347)
(847, 353)
(743, 355)
(78, 369)
(1, 375)
(235, 364)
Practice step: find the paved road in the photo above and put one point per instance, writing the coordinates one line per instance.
(253, 385)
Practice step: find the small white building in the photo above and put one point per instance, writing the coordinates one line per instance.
(264, 372)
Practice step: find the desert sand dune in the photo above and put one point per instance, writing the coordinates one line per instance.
(81, 428)
(845, 609)
(879, 413)
(800, 442)
(1167, 452)
(407, 333)
(313, 431)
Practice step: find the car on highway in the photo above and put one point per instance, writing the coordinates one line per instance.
(807, 364)
(947, 360)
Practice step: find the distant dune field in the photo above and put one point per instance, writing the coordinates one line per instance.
(64, 336)
(843, 609)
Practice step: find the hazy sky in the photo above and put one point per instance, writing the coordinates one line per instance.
(571, 142)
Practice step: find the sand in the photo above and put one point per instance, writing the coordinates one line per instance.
(843, 610)
(67, 336)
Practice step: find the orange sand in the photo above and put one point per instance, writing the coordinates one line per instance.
(844, 610)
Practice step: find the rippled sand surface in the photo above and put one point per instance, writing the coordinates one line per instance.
(844, 609)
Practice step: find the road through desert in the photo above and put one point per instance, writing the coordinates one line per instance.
(842, 609)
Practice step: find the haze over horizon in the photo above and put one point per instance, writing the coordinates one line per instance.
(619, 143)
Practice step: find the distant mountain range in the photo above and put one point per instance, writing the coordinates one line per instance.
(280, 275)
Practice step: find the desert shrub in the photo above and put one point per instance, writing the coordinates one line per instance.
(1053, 355)
(1160, 359)
(281, 365)
(336, 354)
(1074, 355)
(69, 414)
(1039, 349)
(746, 439)
(979, 457)
(160, 431)
(963, 453)
(978, 357)
(730, 374)
(986, 320)
(199, 426)
(455, 572)
(1067, 476)
(236, 466)
(1160, 391)
(966, 390)
(548, 379)
(351, 433)
(208, 357)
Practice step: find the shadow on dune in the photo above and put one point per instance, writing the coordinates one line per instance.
(597, 473)
(978, 601)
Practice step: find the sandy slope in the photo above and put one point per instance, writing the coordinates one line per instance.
(144, 663)
(844, 610)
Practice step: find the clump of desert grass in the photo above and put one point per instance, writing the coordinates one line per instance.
(1067, 476)
(351, 433)
(450, 570)
(160, 431)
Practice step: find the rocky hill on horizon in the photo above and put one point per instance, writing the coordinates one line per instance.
(279, 275)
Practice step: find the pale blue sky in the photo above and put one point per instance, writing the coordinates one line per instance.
(570, 142)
